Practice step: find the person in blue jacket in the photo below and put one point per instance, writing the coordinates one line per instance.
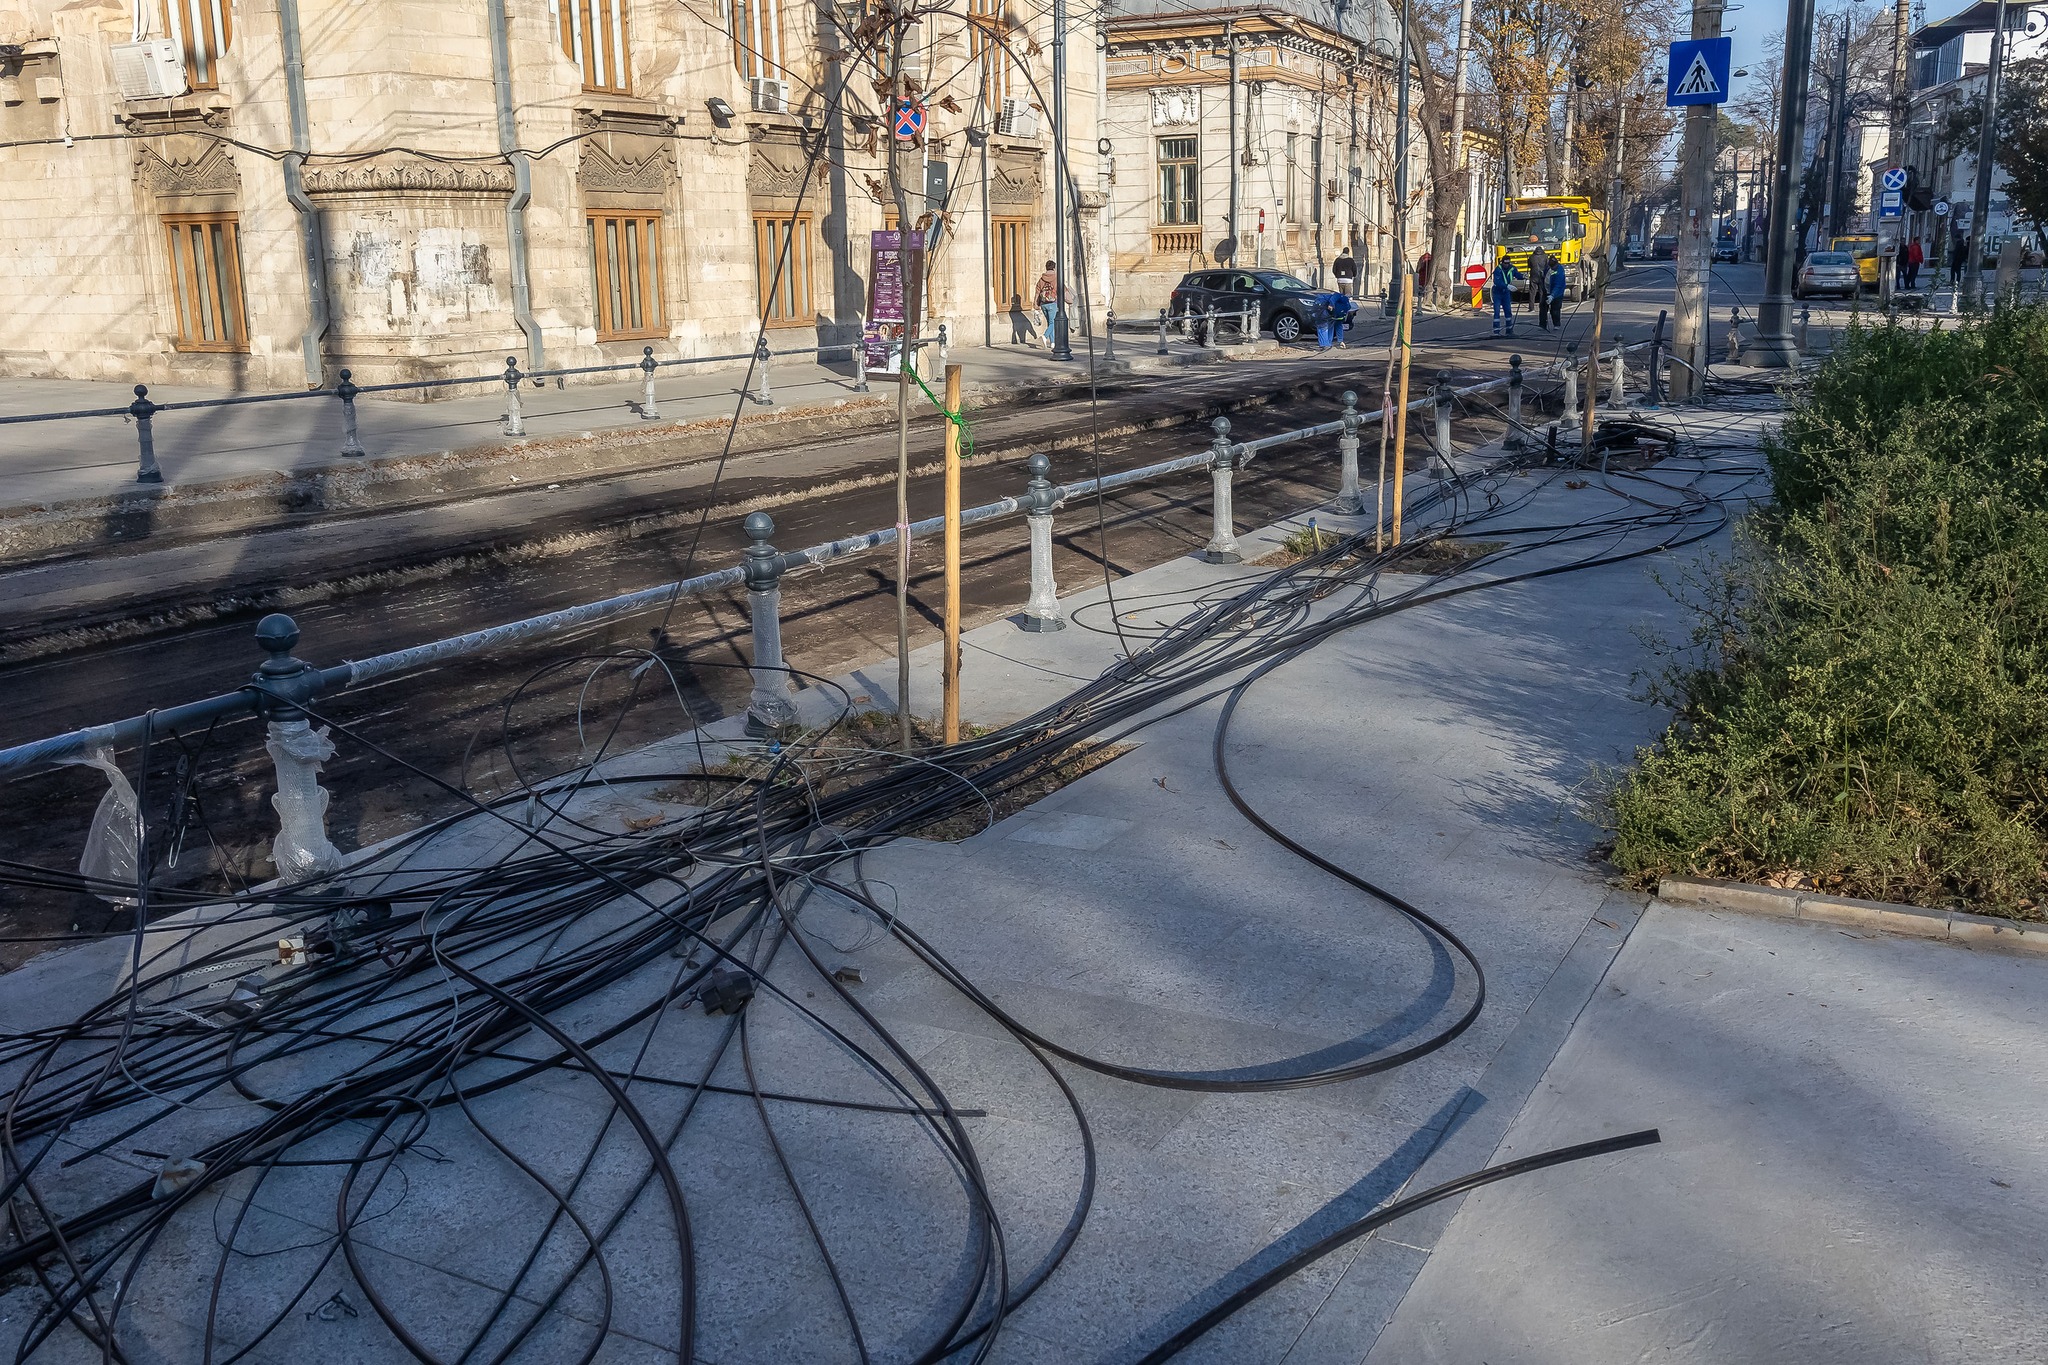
(1553, 290)
(1504, 277)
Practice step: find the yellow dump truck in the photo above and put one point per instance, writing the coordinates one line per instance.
(1566, 226)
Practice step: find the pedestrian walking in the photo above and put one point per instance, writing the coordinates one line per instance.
(1346, 272)
(1504, 277)
(1423, 270)
(1956, 259)
(1553, 293)
(1048, 296)
(1539, 280)
(1913, 258)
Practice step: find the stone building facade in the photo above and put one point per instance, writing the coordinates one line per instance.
(1314, 146)
(419, 188)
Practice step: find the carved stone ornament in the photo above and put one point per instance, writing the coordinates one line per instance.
(409, 177)
(1014, 183)
(1177, 108)
(603, 168)
(209, 170)
(776, 169)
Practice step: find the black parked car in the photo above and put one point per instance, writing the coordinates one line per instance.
(1286, 307)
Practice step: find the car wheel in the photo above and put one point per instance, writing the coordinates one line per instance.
(1286, 328)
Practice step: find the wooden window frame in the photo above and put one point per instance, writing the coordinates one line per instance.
(597, 35)
(1190, 177)
(757, 50)
(998, 69)
(792, 306)
(626, 270)
(203, 30)
(1023, 276)
(193, 303)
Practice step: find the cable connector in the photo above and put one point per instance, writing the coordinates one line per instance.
(726, 991)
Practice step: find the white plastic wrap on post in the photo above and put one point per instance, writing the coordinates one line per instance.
(650, 410)
(515, 421)
(115, 835)
(1042, 610)
(769, 708)
(1514, 436)
(1441, 410)
(1223, 540)
(1619, 393)
(301, 848)
(1570, 416)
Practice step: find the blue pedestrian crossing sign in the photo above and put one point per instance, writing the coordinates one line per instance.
(1698, 73)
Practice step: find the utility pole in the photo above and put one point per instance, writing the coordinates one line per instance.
(1840, 118)
(1061, 350)
(1398, 281)
(1230, 51)
(1774, 345)
(913, 306)
(1696, 200)
(1617, 217)
(1447, 271)
(1987, 162)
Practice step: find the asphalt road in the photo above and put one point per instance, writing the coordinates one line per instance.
(479, 724)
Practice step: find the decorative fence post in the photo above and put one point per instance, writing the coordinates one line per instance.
(515, 421)
(1654, 393)
(1042, 609)
(1440, 406)
(1109, 334)
(1570, 416)
(1348, 498)
(1162, 331)
(1214, 334)
(1799, 335)
(1247, 325)
(1734, 337)
(1222, 547)
(761, 394)
(1619, 393)
(769, 709)
(346, 390)
(283, 685)
(945, 348)
(860, 358)
(1515, 379)
(649, 411)
(143, 411)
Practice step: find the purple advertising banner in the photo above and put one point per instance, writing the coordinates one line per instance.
(890, 285)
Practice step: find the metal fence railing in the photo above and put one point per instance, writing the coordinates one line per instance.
(144, 410)
(284, 685)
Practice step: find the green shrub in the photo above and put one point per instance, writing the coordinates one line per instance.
(1865, 701)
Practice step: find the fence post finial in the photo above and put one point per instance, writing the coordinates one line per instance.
(515, 421)
(143, 411)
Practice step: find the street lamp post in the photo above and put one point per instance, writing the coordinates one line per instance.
(1774, 344)
(1394, 281)
(1987, 162)
(1061, 350)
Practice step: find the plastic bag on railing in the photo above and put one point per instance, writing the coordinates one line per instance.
(111, 844)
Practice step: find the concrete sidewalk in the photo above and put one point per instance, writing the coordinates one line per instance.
(1134, 915)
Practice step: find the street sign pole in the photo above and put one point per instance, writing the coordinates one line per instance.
(1698, 79)
(1774, 346)
(1987, 159)
(1061, 349)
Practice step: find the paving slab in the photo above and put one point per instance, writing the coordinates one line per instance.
(1853, 1165)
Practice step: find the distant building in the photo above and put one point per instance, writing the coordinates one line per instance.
(432, 186)
(1950, 63)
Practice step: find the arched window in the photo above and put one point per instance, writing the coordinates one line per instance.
(202, 29)
(594, 37)
(757, 38)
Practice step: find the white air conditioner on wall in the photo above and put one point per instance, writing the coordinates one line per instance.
(1017, 119)
(768, 95)
(149, 70)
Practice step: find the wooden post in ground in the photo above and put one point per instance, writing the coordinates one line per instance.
(1400, 413)
(952, 661)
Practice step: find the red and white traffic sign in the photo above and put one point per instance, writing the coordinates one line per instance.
(909, 119)
(1475, 275)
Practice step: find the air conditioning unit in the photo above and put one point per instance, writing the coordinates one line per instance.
(1017, 119)
(149, 70)
(768, 95)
